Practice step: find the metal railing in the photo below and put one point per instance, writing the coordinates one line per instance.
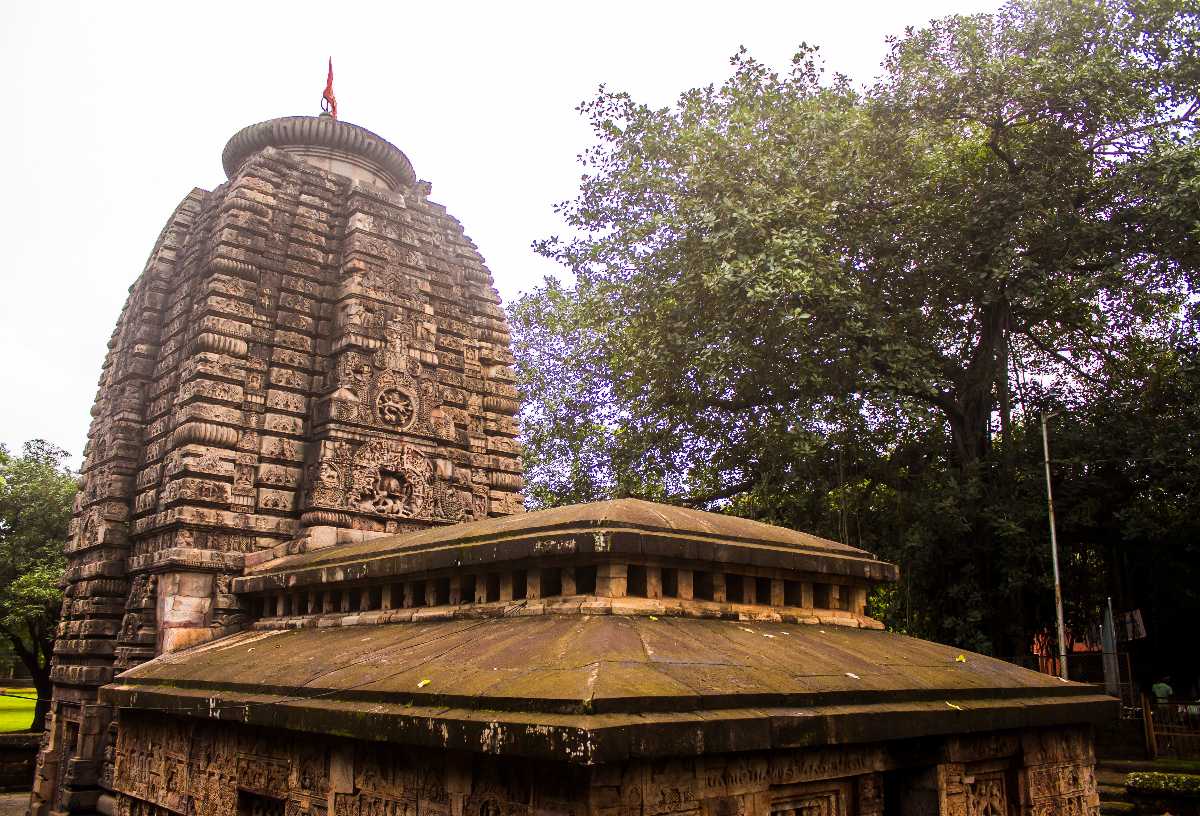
(1172, 728)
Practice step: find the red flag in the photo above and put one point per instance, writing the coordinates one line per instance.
(328, 100)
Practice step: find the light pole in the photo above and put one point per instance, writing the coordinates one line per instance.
(1062, 640)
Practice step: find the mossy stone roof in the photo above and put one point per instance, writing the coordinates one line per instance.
(616, 527)
(602, 688)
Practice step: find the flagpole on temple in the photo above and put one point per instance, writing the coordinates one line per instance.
(328, 100)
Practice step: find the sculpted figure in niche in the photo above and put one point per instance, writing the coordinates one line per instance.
(449, 502)
(352, 313)
(327, 473)
(130, 626)
(398, 481)
(396, 408)
(394, 493)
(986, 797)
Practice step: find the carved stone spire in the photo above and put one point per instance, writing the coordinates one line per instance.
(313, 350)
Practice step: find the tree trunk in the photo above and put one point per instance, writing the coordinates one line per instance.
(37, 660)
(969, 425)
(41, 681)
(975, 390)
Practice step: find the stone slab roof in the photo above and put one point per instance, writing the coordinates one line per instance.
(602, 688)
(627, 525)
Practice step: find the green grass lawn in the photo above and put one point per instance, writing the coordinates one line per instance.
(16, 714)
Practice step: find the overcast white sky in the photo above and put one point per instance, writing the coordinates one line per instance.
(113, 111)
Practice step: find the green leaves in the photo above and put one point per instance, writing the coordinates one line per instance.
(833, 308)
(36, 492)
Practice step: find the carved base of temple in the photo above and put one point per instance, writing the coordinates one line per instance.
(167, 766)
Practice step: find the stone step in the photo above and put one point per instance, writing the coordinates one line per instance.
(1116, 808)
(1110, 792)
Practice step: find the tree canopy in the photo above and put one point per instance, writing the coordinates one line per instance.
(842, 308)
(36, 494)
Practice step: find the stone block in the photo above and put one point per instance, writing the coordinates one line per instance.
(858, 600)
(596, 606)
(776, 592)
(320, 537)
(653, 582)
(636, 606)
(611, 580)
(684, 580)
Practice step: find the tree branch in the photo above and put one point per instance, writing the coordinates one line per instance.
(749, 402)
(1061, 358)
(994, 145)
(721, 493)
(1187, 115)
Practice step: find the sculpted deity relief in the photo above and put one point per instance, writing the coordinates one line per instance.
(384, 391)
(392, 400)
(392, 479)
(396, 408)
(986, 796)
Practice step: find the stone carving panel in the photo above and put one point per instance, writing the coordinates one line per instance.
(1066, 789)
(216, 768)
(397, 407)
(831, 802)
(987, 795)
(1059, 777)
(388, 480)
(391, 479)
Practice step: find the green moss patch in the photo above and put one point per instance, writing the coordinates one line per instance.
(1158, 784)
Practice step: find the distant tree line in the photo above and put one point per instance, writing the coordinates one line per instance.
(845, 310)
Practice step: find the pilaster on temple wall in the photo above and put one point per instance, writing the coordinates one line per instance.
(301, 351)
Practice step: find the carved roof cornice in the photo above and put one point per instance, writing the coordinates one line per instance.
(606, 530)
(314, 135)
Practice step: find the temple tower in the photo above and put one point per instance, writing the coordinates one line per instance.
(314, 354)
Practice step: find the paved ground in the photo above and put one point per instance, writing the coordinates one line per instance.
(13, 804)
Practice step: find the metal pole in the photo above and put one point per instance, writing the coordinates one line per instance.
(1108, 641)
(1062, 640)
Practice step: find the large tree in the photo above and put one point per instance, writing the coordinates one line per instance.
(799, 296)
(36, 493)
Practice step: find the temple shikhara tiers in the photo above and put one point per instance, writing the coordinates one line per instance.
(301, 581)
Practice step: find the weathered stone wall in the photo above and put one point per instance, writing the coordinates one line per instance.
(1033, 773)
(207, 768)
(166, 765)
(301, 352)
